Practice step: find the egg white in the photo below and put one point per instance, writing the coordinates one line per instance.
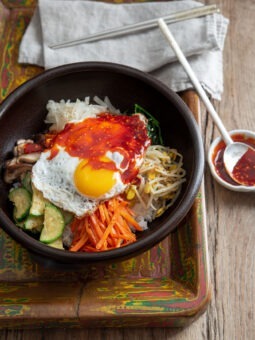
(55, 179)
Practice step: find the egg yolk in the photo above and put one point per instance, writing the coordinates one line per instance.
(93, 182)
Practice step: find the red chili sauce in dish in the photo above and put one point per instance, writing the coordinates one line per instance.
(245, 167)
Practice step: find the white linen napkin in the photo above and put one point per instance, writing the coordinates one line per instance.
(201, 39)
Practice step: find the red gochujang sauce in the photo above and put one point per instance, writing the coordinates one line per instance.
(241, 170)
(244, 170)
(91, 138)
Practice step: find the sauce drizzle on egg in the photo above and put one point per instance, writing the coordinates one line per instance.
(92, 138)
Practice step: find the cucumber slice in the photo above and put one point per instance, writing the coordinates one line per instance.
(34, 223)
(26, 181)
(38, 203)
(21, 198)
(53, 224)
(57, 244)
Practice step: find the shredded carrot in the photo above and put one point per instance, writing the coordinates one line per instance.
(111, 226)
(80, 243)
(130, 219)
(102, 212)
(96, 225)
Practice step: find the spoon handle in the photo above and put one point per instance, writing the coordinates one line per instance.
(182, 59)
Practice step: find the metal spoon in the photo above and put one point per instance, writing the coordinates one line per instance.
(234, 150)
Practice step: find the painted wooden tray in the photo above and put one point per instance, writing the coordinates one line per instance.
(166, 286)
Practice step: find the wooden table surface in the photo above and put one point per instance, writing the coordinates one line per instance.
(230, 215)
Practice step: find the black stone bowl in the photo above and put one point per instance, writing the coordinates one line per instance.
(22, 114)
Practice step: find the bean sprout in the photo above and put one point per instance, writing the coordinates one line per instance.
(161, 176)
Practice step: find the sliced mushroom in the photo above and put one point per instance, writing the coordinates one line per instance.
(14, 169)
(67, 236)
(19, 149)
(22, 162)
(30, 158)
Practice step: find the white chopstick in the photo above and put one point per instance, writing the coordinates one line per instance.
(118, 31)
(201, 92)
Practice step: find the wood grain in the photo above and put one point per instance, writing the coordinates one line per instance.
(231, 216)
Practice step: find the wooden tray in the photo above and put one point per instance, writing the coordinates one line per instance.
(166, 286)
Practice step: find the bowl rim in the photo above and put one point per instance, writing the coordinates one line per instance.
(151, 239)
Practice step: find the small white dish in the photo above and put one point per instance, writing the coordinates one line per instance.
(215, 143)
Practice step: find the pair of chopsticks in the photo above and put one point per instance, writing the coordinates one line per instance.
(119, 31)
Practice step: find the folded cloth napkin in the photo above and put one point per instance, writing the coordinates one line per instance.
(201, 39)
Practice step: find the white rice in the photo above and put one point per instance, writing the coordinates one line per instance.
(62, 112)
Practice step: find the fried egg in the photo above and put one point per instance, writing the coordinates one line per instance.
(91, 161)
